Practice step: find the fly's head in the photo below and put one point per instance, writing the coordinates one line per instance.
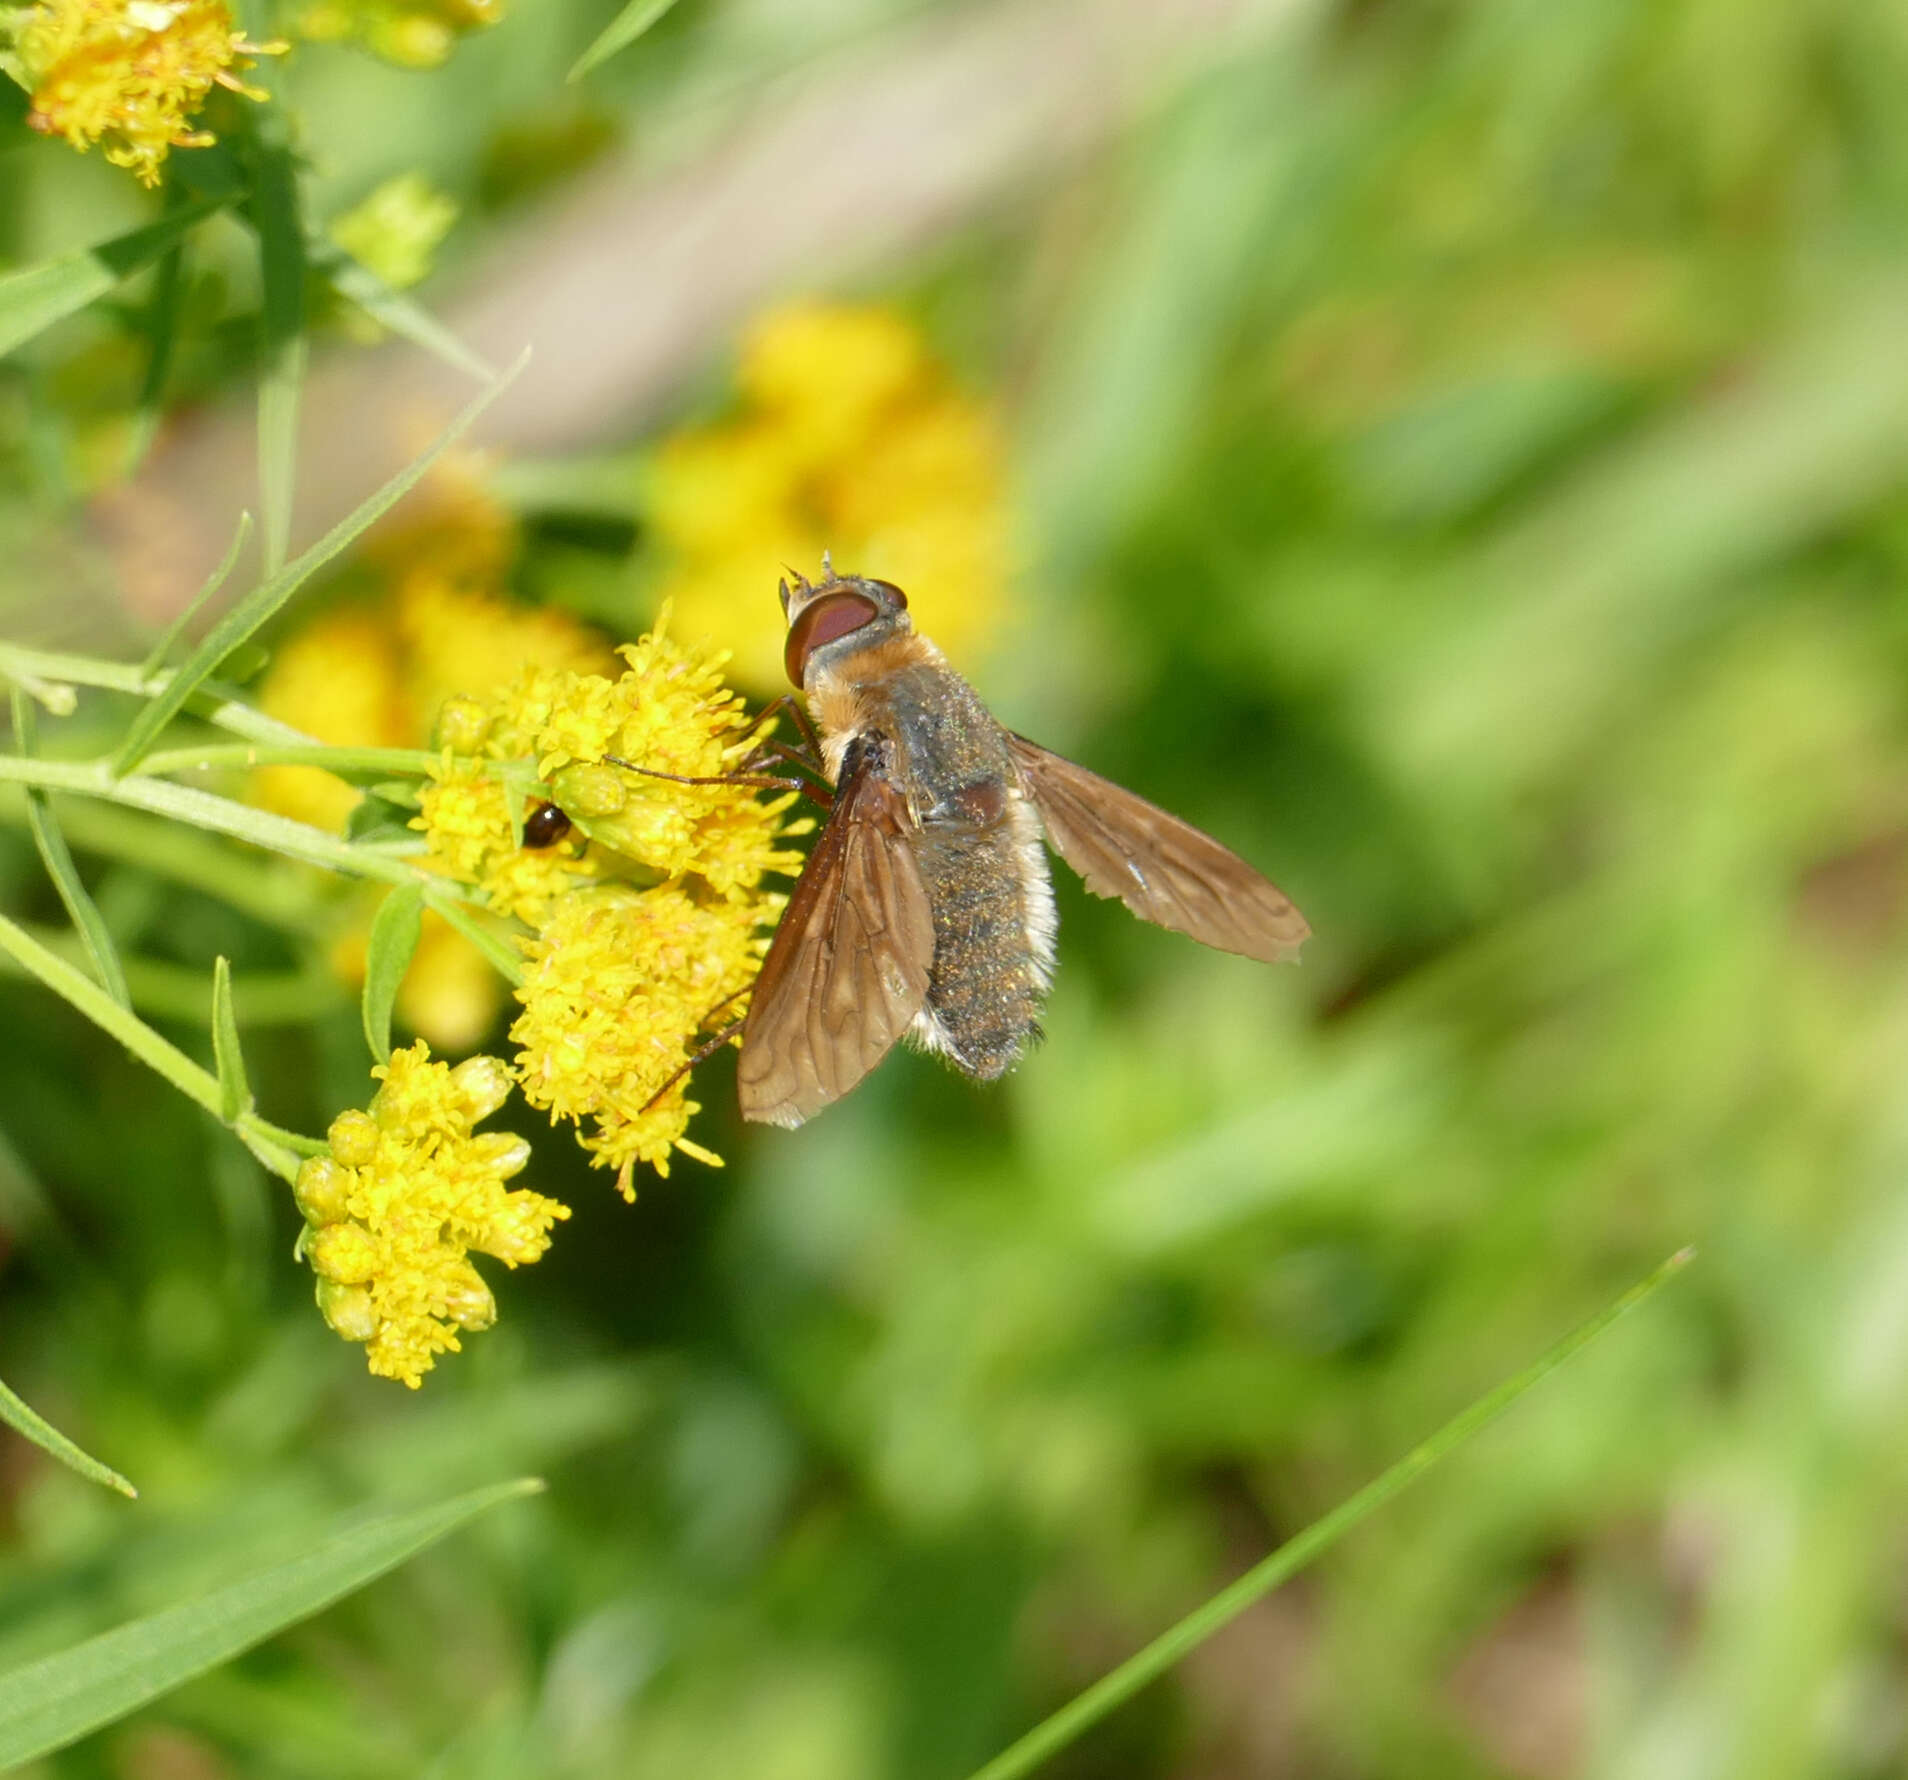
(837, 617)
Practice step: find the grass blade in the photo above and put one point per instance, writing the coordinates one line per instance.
(235, 1092)
(52, 1703)
(406, 318)
(57, 857)
(275, 215)
(258, 607)
(619, 34)
(51, 1441)
(33, 299)
(394, 937)
(1087, 1709)
(213, 582)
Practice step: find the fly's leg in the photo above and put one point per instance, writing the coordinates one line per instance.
(759, 781)
(789, 706)
(703, 1052)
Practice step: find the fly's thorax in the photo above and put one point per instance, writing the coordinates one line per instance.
(942, 738)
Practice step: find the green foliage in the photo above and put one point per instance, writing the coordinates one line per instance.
(48, 1704)
(1462, 465)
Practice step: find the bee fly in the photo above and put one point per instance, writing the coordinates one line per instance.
(925, 909)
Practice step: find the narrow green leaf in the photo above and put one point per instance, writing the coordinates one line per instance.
(33, 299)
(276, 1148)
(394, 936)
(1087, 1709)
(50, 1440)
(404, 316)
(620, 33)
(274, 210)
(264, 601)
(496, 947)
(191, 609)
(214, 171)
(235, 1092)
(57, 857)
(52, 1703)
(51, 676)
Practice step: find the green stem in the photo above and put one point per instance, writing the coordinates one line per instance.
(166, 991)
(265, 890)
(41, 669)
(277, 834)
(270, 1143)
(222, 815)
(1087, 1709)
(339, 761)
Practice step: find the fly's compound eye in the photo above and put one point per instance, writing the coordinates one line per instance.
(824, 620)
(545, 826)
(893, 592)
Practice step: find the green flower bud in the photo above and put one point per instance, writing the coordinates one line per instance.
(343, 1253)
(348, 1309)
(353, 1138)
(484, 1083)
(470, 1305)
(500, 1153)
(321, 1190)
(590, 789)
(463, 725)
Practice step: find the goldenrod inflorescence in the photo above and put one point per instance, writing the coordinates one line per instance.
(646, 928)
(403, 1197)
(130, 74)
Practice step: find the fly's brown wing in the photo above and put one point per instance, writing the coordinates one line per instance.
(1165, 870)
(848, 968)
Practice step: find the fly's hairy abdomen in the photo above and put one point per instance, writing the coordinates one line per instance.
(983, 865)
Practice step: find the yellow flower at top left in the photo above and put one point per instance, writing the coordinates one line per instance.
(130, 74)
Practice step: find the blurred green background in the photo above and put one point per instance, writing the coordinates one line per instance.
(1457, 455)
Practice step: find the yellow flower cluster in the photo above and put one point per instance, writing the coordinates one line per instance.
(405, 1195)
(650, 922)
(130, 74)
(848, 438)
(620, 983)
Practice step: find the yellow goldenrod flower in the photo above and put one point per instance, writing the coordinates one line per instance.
(406, 1193)
(849, 439)
(465, 812)
(621, 983)
(130, 74)
(625, 975)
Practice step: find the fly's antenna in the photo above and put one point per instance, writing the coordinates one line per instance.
(828, 567)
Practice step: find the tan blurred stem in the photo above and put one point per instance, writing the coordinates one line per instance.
(623, 287)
